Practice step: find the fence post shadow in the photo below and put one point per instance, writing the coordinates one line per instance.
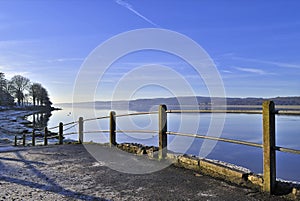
(112, 129)
(46, 136)
(33, 137)
(60, 133)
(80, 130)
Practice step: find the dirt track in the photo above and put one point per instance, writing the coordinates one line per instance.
(68, 172)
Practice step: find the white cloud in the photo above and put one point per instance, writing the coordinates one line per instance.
(60, 82)
(275, 63)
(130, 7)
(65, 59)
(251, 70)
(226, 71)
(9, 72)
(3, 68)
(14, 43)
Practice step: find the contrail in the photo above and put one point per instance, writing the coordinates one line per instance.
(130, 7)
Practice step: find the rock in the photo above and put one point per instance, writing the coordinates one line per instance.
(296, 193)
(141, 151)
(256, 179)
(150, 152)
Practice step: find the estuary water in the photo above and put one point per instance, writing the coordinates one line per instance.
(246, 127)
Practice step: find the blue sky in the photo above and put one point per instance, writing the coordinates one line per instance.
(254, 44)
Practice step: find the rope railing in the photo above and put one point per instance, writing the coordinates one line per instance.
(136, 114)
(288, 150)
(53, 136)
(66, 124)
(215, 111)
(268, 145)
(136, 131)
(70, 127)
(105, 117)
(283, 112)
(96, 118)
(252, 144)
(75, 123)
(118, 131)
(54, 127)
(70, 133)
(98, 131)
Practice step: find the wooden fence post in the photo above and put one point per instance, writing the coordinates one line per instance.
(24, 139)
(46, 136)
(33, 137)
(16, 140)
(269, 152)
(162, 128)
(60, 133)
(112, 127)
(80, 130)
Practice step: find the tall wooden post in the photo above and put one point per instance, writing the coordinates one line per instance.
(112, 129)
(269, 146)
(46, 136)
(33, 137)
(80, 130)
(60, 133)
(162, 128)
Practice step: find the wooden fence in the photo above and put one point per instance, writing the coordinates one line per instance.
(269, 147)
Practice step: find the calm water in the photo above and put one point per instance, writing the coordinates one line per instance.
(247, 127)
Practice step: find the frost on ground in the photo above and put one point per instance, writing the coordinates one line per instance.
(68, 172)
(12, 122)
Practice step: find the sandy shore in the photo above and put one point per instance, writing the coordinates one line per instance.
(68, 172)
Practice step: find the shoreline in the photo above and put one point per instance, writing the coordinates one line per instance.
(186, 161)
(13, 121)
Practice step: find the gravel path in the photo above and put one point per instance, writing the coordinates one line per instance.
(68, 172)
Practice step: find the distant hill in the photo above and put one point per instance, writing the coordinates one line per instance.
(259, 101)
(173, 103)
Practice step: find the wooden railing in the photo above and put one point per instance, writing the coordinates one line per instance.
(269, 147)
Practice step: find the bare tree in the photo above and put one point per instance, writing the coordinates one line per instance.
(39, 95)
(43, 96)
(35, 90)
(2, 82)
(18, 85)
(5, 97)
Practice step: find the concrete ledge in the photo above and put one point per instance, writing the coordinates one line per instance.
(189, 162)
(205, 166)
(211, 168)
(227, 173)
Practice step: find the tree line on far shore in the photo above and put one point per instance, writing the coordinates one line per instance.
(23, 91)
